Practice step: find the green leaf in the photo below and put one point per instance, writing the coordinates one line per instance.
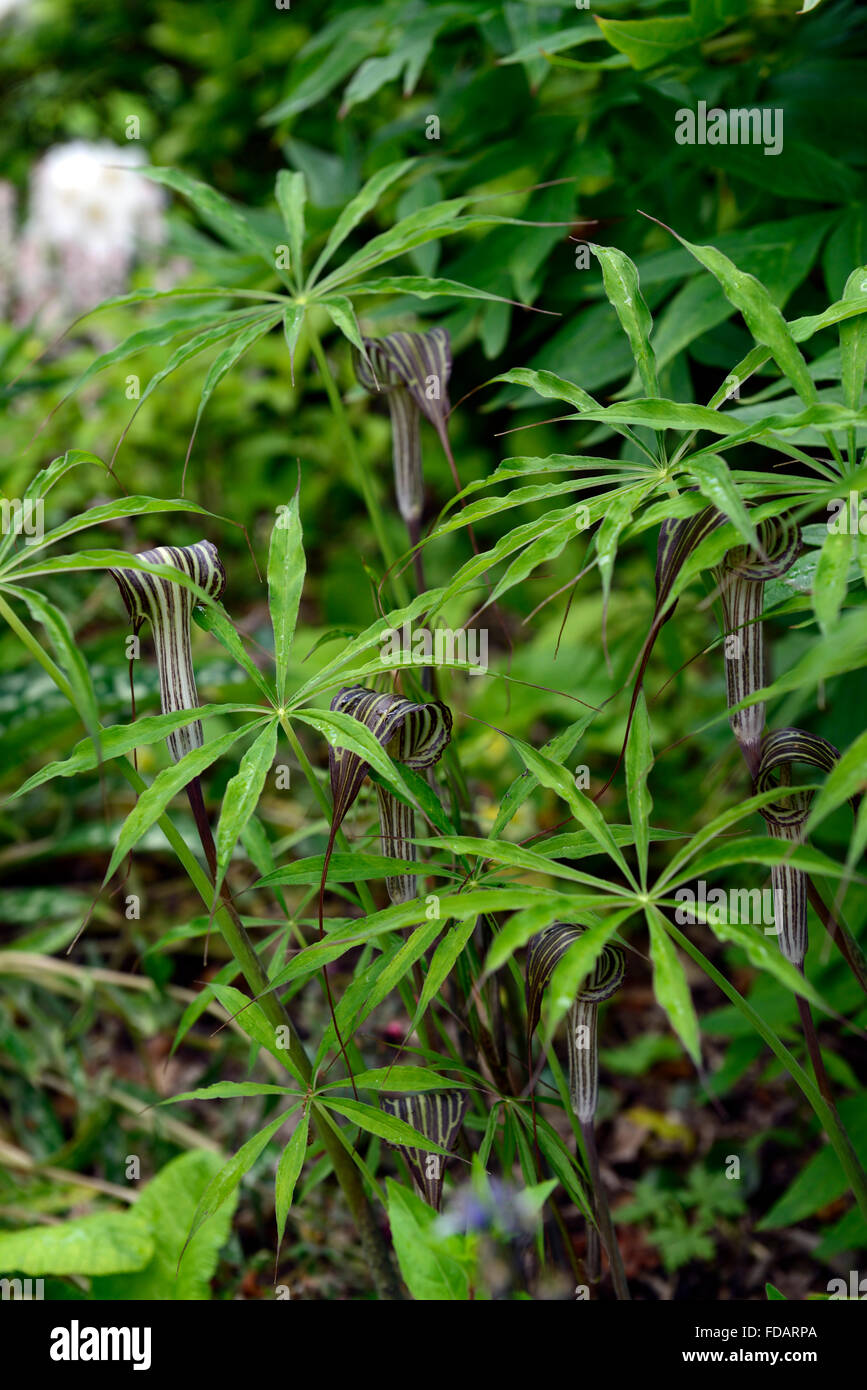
(68, 653)
(717, 484)
(343, 868)
(620, 278)
(399, 1079)
(342, 314)
(215, 619)
(121, 739)
(436, 1269)
(241, 797)
(761, 315)
(844, 781)
(229, 1090)
(853, 342)
(291, 193)
(225, 1182)
(293, 320)
(106, 1243)
(670, 985)
(357, 209)
(288, 1172)
(286, 570)
(639, 761)
(646, 42)
(120, 510)
(585, 811)
(375, 1121)
(227, 360)
(822, 1179)
(249, 1016)
(832, 578)
(167, 1205)
(225, 218)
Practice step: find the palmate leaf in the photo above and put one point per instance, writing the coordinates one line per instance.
(228, 358)
(118, 510)
(639, 761)
(438, 1115)
(249, 1016)
(226, 1181)
(228, 327)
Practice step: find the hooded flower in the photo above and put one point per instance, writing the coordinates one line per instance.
(412, 734)
(741, 578)
(168, 607)
(786, 820)
(412, 371)
(545, 952)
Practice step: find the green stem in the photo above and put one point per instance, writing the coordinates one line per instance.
(360, 475)
(825, 1113)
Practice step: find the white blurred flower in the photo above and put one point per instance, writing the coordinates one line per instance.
(7, 241)
(7, 6)
(89, 214)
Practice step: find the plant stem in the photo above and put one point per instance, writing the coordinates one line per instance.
(360, 475)
(244, 953)
(602, 1212)
(812, 1040)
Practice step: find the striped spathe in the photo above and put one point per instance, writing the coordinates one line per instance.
(168, 606)
(438, 1115)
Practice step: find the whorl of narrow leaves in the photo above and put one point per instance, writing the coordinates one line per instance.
(168, 607)
(741, 578)
(438, 1115)
(412, 371)
(785, 820)
(545, 952)
(412, 734)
